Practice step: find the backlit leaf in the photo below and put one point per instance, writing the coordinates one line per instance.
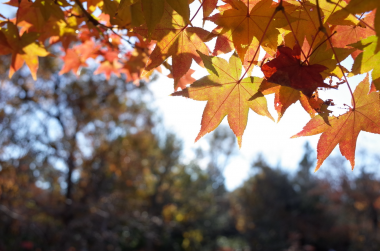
(344, 130)
(227, 95)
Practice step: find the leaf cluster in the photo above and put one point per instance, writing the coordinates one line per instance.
(304, 41)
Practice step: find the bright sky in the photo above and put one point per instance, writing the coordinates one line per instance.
(183, 116)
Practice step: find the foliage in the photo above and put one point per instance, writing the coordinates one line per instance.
(305, 42)
(345, 129)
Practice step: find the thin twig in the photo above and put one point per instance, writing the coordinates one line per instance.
(196, 13)
(309, 54)
(321, 28)
(358, 18)
(312, 43)
(291, 28)
(278, 8)
(97, 23)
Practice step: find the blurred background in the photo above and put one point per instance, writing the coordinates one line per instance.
(88, 164)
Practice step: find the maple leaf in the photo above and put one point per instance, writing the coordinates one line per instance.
(329, 10)
(110, 64)
(359, 7)
(47, 19)
(28, 15)
(227, 95)
(93, 4)
(135, 65)
(245, 24)
(224, 44)
(77, 56)
(154, 11)
(36, 14)
(72, 62)
(178, 40)
(121, 18)
(126, 14)
(185, 80)
(24, 49)
(306, 24)
(349, 34)
(51, 8)
(286, 69)
(60, 31)
(314, 106)
(368, 59)
(135, 60)
(324, 55)
(208, 7)
(344, 130)
(286, 96)
(5, 48)
(108, 67)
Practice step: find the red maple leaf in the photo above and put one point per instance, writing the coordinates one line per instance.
(287, 70)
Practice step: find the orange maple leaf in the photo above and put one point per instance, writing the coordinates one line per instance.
(226, 95)
(345, 129)
(185, 80)
(246, 22)
(154, 11)
(76, 57)
(208, 7)
(178, 40)
(286, 96)
(72, 62)
(24, 49)
(136, 59)
(110, 64)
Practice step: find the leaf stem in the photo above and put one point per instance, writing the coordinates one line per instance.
(278, 8)
(321, 28)
(345, 78)
(312, 43)
(307, 13)
(196, 13)
(294, 34)
(309, 54)
(88, 15)
(96, 23)
(358, 18)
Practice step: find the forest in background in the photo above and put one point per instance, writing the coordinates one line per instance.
(86, 165)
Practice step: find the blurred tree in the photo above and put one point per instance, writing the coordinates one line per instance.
(304, 177)
(50, 129)
(315, 223)
(263, 208)
(84, 165)
(276, 212)
(81, 169)
(357, 199)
